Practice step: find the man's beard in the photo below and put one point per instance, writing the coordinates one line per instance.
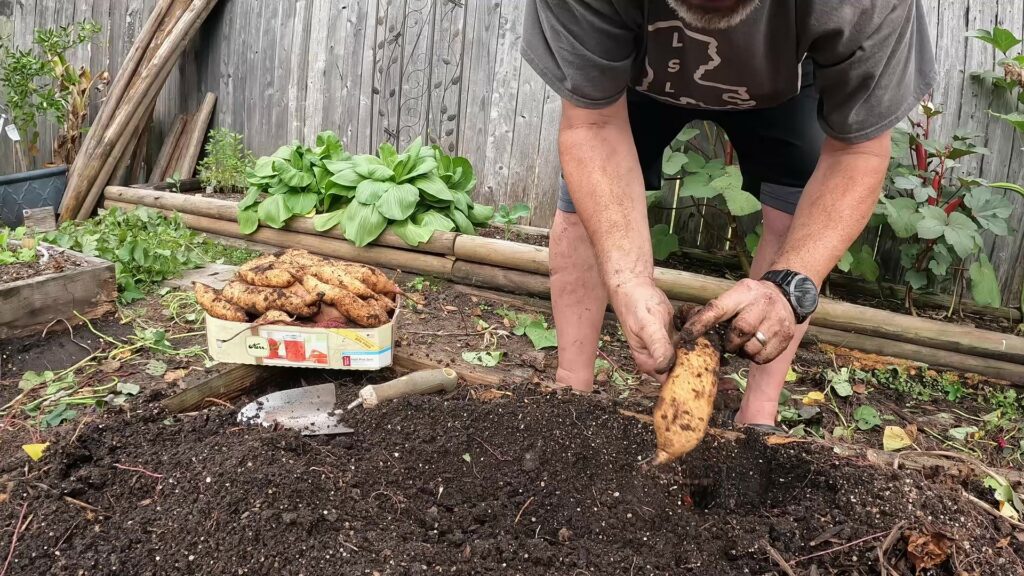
(709, 19)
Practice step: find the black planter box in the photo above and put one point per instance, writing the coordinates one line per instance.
(25, 190)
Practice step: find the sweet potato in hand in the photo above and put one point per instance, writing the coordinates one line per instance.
(686, 401)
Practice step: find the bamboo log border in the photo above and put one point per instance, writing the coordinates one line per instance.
(511, 266)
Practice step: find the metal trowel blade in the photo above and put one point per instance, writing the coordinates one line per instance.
(309, 410)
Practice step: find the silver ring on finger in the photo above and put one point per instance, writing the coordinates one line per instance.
(760, 337)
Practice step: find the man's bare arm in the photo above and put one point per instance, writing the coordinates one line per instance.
(835, 206)
(600, 165)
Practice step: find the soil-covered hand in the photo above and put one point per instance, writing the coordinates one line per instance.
(750, 307)
(646, 318)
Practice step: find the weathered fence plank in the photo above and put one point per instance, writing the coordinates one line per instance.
(450, 71)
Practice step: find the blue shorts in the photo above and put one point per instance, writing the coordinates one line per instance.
(777, 148)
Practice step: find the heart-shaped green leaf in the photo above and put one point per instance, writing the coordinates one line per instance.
(274, 211)
(301, 203)
(327, 221)
(370, 191)
(433, 186)
(399, 201)
(363, 223)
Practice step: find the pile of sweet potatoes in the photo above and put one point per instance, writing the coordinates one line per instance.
(294, 285)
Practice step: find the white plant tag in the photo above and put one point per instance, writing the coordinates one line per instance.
(12, 132)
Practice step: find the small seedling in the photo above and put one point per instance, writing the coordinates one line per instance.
(488, 358)
(507, 216)
(839, 382)
(535, 327)
(866, 417)
(174, 183)
(15, 247)
(418, 284)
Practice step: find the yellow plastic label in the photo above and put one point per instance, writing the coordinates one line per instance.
(356, 337)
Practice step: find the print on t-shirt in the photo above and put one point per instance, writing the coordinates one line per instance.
(672, 81)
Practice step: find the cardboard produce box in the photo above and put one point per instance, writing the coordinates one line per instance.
(350, 348)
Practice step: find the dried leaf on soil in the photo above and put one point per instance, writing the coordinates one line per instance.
(895, 438)
(928, 550)
(35, 451)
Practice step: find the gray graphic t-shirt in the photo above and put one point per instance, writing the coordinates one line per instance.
(872, 60)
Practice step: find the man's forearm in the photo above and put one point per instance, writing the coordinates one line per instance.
(599, 162)
(835, 206)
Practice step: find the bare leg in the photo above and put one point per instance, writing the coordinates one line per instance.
(579, 300)
(764, 384)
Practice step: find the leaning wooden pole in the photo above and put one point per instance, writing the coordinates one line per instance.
(120, 86)
(163, 159)
(94, 173)
(194, 137)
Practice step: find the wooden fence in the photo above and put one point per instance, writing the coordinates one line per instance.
(450, 70)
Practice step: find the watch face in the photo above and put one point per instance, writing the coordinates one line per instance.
(804, 294)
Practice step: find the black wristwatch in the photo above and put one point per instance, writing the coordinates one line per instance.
(798, 289)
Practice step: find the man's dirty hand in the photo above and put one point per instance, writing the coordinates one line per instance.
(753, 308)
(646, 318)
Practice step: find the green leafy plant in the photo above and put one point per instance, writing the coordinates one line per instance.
(145, 246)
(40, 83)
(226, 162)
(15, 247)
(487, 358)
(941, 212)
(866, 417)
(58, 397)
(534, 326)
(507, 216)
(664, 242)
(839, 382)
(704, 175)
(174, 183)
(1009, 72)
(711, 178)
(414, 194)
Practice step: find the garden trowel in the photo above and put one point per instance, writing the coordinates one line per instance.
(313, 410)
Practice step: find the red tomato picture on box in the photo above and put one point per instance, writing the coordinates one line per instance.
(296, 348)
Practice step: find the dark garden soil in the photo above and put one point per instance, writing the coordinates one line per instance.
(505, 480)
(58, 261)
(529, 485)
(217, 195)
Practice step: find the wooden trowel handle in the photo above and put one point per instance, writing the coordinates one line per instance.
(422, 382)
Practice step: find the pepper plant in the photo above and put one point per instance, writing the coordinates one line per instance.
(40, 82)
(942, 212)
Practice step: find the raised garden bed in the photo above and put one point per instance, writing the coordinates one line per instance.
(497, 477)
(65, 286)
(523, 268)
